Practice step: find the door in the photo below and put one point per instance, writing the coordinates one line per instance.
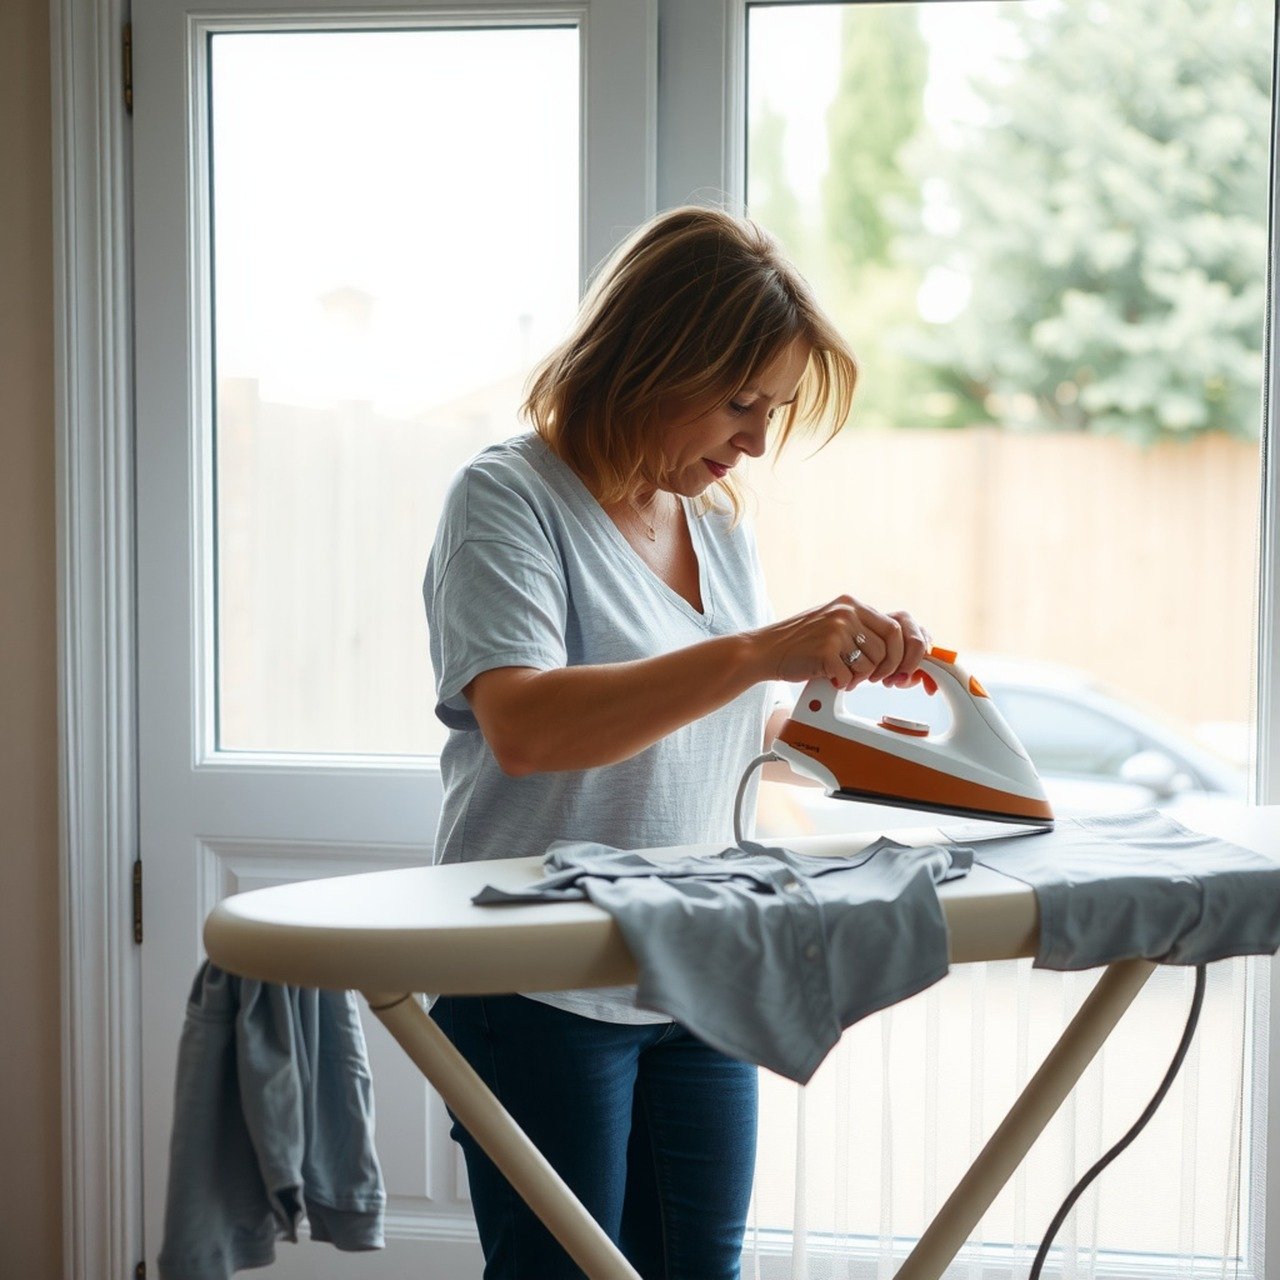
(354, 232)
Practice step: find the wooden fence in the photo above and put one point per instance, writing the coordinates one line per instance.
(1137, 565)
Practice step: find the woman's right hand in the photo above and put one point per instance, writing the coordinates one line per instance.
(887, 647)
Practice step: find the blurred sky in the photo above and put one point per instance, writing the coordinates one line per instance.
(396, 212)
(795, 61)
(393, 165)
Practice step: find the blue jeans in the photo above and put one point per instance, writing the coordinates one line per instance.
(654, 1131)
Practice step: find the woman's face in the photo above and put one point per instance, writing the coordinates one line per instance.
(698, 451)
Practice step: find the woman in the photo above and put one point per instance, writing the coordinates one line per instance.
(604, 659)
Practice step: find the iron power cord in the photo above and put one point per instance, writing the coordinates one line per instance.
(1078, 1190)
(1193, 1017)
(758, 763)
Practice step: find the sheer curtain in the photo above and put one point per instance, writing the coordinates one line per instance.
(854, 1165)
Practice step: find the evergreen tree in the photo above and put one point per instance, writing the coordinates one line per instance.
(878, 106)
(772, 201)
(1109, 214)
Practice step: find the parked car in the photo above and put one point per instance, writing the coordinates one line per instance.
(1094, 751)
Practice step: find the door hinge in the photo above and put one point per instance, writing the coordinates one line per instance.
(128, 67)
(137, 900)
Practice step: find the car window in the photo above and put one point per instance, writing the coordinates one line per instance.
(1064, 737)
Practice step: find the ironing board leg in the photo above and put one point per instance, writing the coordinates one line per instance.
(1035, 1107)
(505, 1143)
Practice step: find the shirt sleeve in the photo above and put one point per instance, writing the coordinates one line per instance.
(494, 604)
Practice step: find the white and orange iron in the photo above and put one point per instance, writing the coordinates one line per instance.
(976, 767)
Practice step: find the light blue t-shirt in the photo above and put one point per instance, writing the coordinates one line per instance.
(527, 570)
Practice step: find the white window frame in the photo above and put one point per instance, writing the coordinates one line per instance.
(1265, 1162)
(697, 123)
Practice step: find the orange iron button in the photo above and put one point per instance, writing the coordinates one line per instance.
(976, 689)
(900, 725)
(942, 655)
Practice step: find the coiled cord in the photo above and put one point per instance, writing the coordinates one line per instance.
(1193, 1018)
(1079, 1189)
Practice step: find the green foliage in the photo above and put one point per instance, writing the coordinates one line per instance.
(773, 203)
(878, 106)
(1108, 209)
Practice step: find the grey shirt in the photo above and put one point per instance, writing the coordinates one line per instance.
(272, 1117)
(764, 953)
(1139, 884)
(528, 570)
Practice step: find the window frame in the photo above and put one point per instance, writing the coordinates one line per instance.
(94, 233)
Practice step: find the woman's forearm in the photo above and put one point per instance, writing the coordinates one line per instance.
(587, 716)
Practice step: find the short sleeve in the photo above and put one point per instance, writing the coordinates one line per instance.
(494, 604)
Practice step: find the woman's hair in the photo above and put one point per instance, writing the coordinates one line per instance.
(687, 313)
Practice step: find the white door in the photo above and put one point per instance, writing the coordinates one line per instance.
(353, 233)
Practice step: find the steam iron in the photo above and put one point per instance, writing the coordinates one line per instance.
(977, 768)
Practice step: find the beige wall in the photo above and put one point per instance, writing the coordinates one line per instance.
(30, 1166)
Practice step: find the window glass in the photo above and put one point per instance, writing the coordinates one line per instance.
(1043, 228)
(1049, 255)
(392, 246)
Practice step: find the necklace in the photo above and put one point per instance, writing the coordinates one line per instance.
(649, 529)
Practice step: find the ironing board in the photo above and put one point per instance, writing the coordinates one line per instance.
(391, 934)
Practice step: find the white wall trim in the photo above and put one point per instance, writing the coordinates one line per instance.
(1267, 709)
(1264, 1154)
(101, 1159)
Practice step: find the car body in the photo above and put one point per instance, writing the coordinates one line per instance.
(1095, 751)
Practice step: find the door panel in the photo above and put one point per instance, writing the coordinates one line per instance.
(345, 261)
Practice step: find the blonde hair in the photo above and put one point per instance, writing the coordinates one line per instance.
(687, 312)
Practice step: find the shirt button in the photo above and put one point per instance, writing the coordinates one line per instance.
(811, 952)
(793, 886)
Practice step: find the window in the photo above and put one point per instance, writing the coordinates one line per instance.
(1044, 228)
(381, 286)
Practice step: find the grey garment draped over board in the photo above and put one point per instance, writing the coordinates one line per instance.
(1135, 884)
(768, 954)
(273, 1116)
(764, 953)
